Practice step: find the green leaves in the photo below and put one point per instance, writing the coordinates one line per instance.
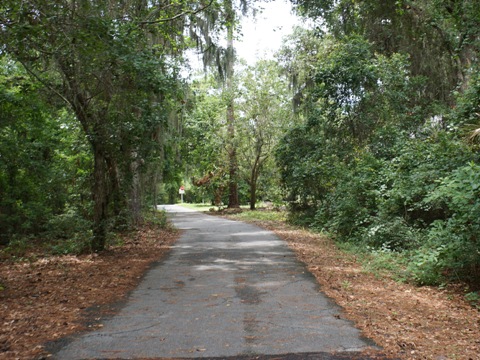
(376, 162)
(460, 194)
(117, 73)
(40, 148)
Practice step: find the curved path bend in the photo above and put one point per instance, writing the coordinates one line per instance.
(227, 289)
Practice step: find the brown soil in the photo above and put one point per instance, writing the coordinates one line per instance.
(409, 322)
(48, 298)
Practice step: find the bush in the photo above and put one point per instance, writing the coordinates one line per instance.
(66, 225)
(68, 233)
(17, 247)
(157, 218)
(353, 203)
(79, 243)
(444, 256)
(454, 243)
(392, 234)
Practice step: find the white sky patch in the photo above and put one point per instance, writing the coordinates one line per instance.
(262, 36)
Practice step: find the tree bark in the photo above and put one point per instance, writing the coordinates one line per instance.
(100, 199)
(115, 193)
(233, 201)
(154, 190)
(135, 190)
(253, 195)
(253, 180)
(218, 193)
(233, 170)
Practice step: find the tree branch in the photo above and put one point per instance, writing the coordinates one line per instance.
(32, 73)
(177, 16)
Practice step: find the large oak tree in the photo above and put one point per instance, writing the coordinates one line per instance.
(112, 62)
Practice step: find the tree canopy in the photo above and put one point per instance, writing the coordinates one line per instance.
(383, 89)
(365, 126)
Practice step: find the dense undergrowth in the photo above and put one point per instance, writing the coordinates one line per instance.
(379, 166)
(69, 235)
(383, 263)
(421, 209)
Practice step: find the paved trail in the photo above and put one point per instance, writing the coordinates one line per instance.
(226, 289)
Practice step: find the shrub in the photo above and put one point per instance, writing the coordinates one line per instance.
(66, 225)
(444, 256)
(392, 234)
(452, 249)
(79, 243)
(68, 233)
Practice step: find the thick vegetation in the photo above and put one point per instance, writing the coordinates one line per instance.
(382, 158)
(263, 113)
(373, 118)
(91, 98)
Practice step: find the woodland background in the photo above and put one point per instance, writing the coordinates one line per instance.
(365, 126)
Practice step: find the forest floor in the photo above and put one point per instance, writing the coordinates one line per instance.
(407, 321)
(43, 299)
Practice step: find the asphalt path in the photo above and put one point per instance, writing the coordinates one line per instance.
(227, 289)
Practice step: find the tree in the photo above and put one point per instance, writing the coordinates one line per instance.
(105, 60)
(379, 161)
(224, 61)
(230, 20)
(440, 36)
(264, 115)
(353, 100)
(297, 57)
(205, 140)
(43, 158)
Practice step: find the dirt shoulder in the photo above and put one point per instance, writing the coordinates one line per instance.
(407, 321)
(49, 298)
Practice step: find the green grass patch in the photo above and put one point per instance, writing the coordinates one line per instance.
(199, 207)
(381, 263)
(246, 214)
(387, 264)
(261, 215)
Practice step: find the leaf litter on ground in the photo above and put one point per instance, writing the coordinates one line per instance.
(47, 298)
(407, 321)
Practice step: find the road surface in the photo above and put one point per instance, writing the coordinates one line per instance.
(227, 289)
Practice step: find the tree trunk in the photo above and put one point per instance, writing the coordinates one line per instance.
(232, 151)
(253, 194)
(254, 179)
(116, 196)
(218, 193)
(93, 128)
(154, 189)
(100, 191)
(135, 190)
(100, 199)
(233, 170)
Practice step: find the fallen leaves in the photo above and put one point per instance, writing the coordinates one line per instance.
(47, 299)
(407, 321)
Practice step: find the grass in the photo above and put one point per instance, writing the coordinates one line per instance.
(246, 214)
(379, 263)
(199, 207)
(261, 215)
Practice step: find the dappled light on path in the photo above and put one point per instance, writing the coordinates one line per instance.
(226, 289)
